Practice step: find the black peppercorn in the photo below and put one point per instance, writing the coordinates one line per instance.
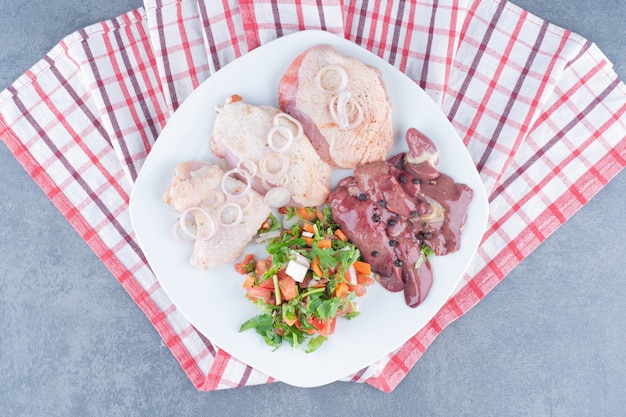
(416, 181)
(381, 203)
(392, 222)
(398, 262)
(393, 242)
(362, 196)
(402, 178)
(376, 218)
(375, 254)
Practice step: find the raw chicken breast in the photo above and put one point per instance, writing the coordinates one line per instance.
(271, 147)
(342, 105)
(223, 224)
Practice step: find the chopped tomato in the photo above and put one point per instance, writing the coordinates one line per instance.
(363, 279)
(308, 330)
(324, 327)
(262, 265)
(260, 293)
(268, 283)
(288, 287)
(246, 266)
(249, 282)
(359, 289)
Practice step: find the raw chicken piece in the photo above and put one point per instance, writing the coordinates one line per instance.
(244, 134)
(233, 220)
(342, 105)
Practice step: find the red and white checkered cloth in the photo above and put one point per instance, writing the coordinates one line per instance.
(539, 108)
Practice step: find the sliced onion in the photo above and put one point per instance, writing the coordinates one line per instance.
(343, 78)
(352, 275)
(264, 237)
(244, 201)
(213, 199)
(287, 138)
(247, 166)
(342, 110)
(277, 197)
(288, 222)
(268, 166)
(210, 222)
(229, 214)
(175, 231)
(276, 122)
(236, 191)
(183, 189)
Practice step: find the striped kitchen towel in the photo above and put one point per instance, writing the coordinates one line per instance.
(538, 107)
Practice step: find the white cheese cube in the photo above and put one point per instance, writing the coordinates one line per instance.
(296, 270)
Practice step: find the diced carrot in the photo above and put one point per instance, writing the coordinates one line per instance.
(363, 267)
(308, 227)
(320, 215)
(315, 267)
(341, 235)
(324, 244)
(308, 241)
(363, 279)
(307, 213)
(341, 289)
(249, 282)
(290, 322)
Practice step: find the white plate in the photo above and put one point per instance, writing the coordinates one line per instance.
(214, 301)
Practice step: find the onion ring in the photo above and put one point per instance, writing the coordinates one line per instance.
(287, 135)
(195, 236)
(343, 75)
(247, 166)
(238, 200)
(213, 199)
(220, 215)
(175, 229)
(277, 197)
(276, 122)
(265, 167)
(236, 192)
(342, 108)
(183, 189)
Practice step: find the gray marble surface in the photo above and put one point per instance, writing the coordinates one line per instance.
(548, 341)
